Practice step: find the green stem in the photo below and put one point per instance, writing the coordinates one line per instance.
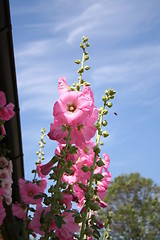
(105, 232)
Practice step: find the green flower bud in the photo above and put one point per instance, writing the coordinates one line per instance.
(86, 57)
(80, 70)
(105, 134)
(100, 110)
(105, 112)
(87, 84)
(97, 125)
(104, 123)
(87, 44)
(82, 45)
(87, 68)
(101, 143)
(104, 98)
(85, 39)
(111, 96)
(109, 104)
(106, 92)
(77, 61)
(94, 206)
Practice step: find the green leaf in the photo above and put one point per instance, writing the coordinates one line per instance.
(98, 176)
(85, 168)
(94, 206)
(59, 221)
(100, 163)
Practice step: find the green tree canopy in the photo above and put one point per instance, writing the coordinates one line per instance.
(135, 202)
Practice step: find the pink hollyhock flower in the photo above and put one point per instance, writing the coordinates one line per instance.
(45, 169)
(80, 194)
(35, 224)
(102, 185)
(72, 107)
(28, 190)
(86, 149)
(10, 167)
(42, 184)
(19, 210)
(68, 229)
(6, 112)
(106, 161)
(2, 212)
(72, 157)
(102, 204)
(62, 85)
(6, 185)
(89, 95)
(2, 129)
(81, 175)
(84, 130)
(39, 171)
(70, 179)
(58, 132)
(3, 162)
(66, 199)
(4, 174)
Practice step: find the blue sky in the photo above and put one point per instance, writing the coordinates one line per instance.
(124, 55)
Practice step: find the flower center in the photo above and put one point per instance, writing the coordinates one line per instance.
(2, 175)
(86, 150)
(71, 108)
(30, 193)
(80, 126)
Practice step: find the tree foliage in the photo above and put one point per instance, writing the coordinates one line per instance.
(135, 202)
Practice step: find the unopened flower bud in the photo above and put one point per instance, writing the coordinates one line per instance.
(86, 57)
(80, 70)
(104, 123)
(109, 104)
(106, 92)
(87, 68)
(85, 39)
(104, 98)
(87, 84)
(82, 45)
(105, 111)
(77, 61)
(87, 44)
(105, 134)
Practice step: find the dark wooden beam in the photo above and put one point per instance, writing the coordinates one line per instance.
(8, 84)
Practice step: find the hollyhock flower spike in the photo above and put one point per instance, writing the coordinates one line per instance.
(77, 172)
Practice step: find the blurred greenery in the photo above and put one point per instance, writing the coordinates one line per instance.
(135, 203)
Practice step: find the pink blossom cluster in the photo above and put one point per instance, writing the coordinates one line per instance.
(76, 110)
(74, 126)
(5, 185)
(6, 112)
